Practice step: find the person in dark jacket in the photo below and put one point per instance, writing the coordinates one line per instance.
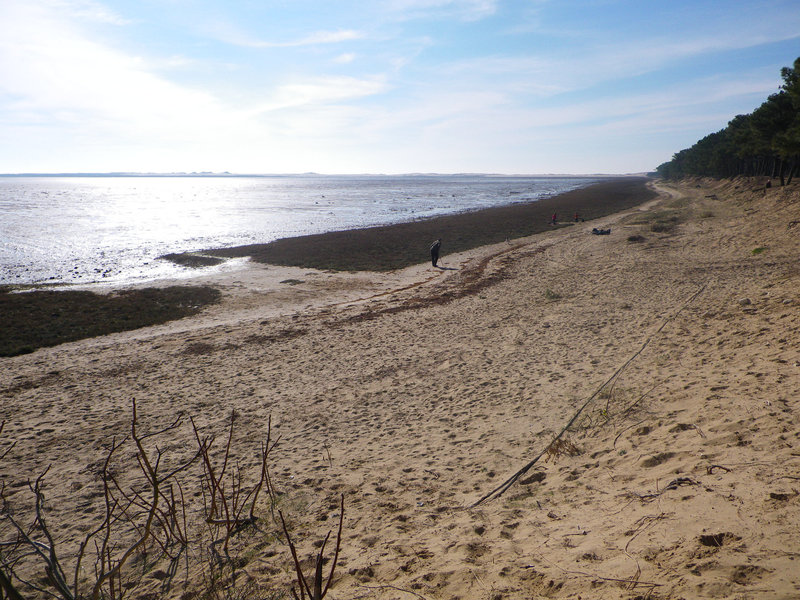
(435, 251)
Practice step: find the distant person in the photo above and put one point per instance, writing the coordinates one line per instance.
(554, 220)
(435, 251)
(577, 218)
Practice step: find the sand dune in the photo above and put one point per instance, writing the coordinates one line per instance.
(417, 392)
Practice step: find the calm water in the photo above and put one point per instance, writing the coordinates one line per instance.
(113, 229)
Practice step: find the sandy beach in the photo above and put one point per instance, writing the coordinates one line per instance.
(672, 346)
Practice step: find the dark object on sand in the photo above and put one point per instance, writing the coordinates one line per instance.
(435, 251)
(596, 231)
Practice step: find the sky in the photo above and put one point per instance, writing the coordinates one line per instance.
(379, 86)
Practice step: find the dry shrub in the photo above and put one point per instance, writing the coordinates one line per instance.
(150, 523)
(561, 447)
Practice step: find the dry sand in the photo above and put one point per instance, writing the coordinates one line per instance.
(415, 393)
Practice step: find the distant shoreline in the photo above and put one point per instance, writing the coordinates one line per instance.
(390, 247)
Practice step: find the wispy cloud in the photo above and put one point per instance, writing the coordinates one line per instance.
(393, 85)
(541, 73)
(85, 10)
(344, 59)
(646, 55)
(48, 70)
(231, 34)
(467, 10)
(322, 90)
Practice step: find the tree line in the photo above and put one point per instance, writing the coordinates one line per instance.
(765, 142)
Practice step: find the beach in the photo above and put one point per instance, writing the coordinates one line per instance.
(651, 374)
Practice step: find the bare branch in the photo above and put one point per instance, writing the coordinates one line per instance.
(8, 588)
(152, 476)
(148, 516)
(318, 592)
(8, 449)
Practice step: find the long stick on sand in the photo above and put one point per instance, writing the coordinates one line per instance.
(501, 489)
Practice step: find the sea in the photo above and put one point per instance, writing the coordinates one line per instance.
(112, 230)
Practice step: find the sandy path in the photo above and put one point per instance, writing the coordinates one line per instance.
(414, 393)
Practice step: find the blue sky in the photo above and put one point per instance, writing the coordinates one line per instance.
(383, 86)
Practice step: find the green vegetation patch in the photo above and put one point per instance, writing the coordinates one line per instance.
(662, 221)
(551, 296)
(665, 226)
(44, 318)
(757, 251)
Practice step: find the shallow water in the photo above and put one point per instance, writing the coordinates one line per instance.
(113, 229)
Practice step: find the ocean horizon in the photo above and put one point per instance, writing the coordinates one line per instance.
(312, 174)
(108, 228)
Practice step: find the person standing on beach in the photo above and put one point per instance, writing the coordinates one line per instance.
(435, 251)
(555, 219)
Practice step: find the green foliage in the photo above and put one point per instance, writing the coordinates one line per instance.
(763, 143)
(551, 296)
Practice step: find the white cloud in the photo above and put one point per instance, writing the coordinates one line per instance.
(637, 57)
(327, 37)
(344, 59)
(468, 10)
(322, 90)
(78, 100)
(83, 9)
(65, 94)
(231, 34)
(50, 72)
